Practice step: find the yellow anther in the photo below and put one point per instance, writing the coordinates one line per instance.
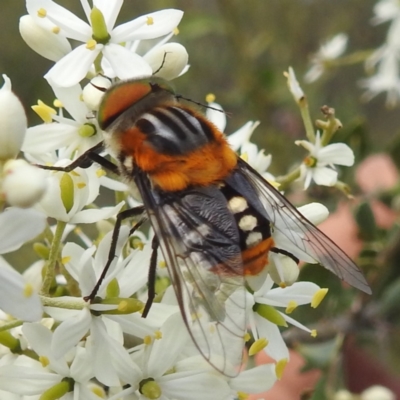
(65, 260)
(42, 13)
(44, 361)
(91, 44)
(247, 337)
(57, 103)
(147, 340)
(242, 396)
(28, 290)
(150, 21)
(175, 31)
(257, 346)
(280, 367)
(81, 185)
(122, 306)
(157, 335)
(56, 29)
(318, 297)
(210, 98)
(44, 111)
(292, 305)
(100, 172)
(314, 333)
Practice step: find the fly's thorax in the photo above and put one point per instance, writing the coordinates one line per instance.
(124, 102)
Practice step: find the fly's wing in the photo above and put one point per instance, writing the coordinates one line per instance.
(200, 243)
(310, 244)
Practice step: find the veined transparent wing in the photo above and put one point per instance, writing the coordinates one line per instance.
(313, 244)
(200, 243)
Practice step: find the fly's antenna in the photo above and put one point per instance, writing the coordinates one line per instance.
(178, 97)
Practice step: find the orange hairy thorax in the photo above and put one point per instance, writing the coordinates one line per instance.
(208, 165)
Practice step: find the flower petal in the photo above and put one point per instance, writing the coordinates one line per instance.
(149, 26)
(126, 64)
(336, 153)
(69, 333)
(325, 176)
(72, 68)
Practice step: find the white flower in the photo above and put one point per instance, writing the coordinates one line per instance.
(23, 184)
(386, 10)
(330, 50)
(26, 376)
(69, 193)
(74, 136)
(157, 361)
(385, 60)
(101, 38)
(13, 122)
(167, 61)
(294, 85)
(14, 230)
(318, 166)
(93, 92)
(17, 296)
(264, 318)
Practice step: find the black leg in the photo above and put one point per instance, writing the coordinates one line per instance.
(285, 253)
(151, 292)
(86, 160)
(111, 254)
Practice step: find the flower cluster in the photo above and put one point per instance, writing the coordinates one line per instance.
(56, 345)
(384, 61)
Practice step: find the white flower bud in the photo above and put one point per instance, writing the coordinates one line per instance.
(377, 393)
(315, 212)
(47, 42)
(294, 86)
(283, 270)
(93, 92)
(167, 61)
(13, 123)
(23, 185)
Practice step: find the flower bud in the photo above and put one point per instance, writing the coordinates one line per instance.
(48, 43)
(377, 392)
(283, 270)
(167, 61)
(93, 92)
(23, 185)
(13, 123)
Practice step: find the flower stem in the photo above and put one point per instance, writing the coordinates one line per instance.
(52, 261)
(305, 115)
(285, 180)
(10, 325)
(330, 126)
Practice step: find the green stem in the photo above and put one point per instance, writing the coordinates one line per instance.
(10, 325)
(52, 261)
(305, 115)
(76, 303)
(285, 180)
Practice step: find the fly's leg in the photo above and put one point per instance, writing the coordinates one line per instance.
(152, 277)
(132, 212)
(285, 253)
(86, 160)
